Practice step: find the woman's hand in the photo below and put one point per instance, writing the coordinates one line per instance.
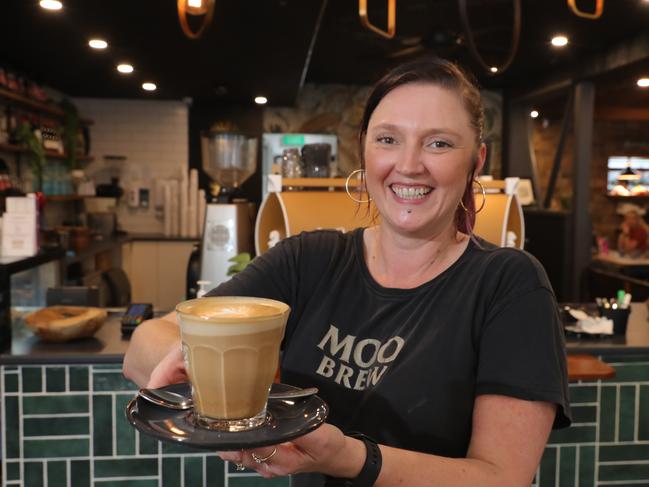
(326, 450)
(170, 370)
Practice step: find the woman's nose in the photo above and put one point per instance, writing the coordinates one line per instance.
(410, 162)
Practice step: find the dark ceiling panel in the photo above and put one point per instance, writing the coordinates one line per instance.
(260, 46)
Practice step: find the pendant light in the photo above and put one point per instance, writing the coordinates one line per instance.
(628, 175)
(196, 8)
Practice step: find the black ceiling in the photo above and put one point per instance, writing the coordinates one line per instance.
(261, 46)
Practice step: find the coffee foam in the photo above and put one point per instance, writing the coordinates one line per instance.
(193, 326)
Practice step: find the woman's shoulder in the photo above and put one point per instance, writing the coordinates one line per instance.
(514, 264)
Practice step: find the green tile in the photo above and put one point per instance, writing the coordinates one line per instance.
(568, 465)
(9, 367)
(33, 474)
(127, 483)
(193, 472)
(631, 373)
(214, 467)
(56, 448)
(13, 470)
(11, 382)
(55, 379)
(32, 379)
(148, 445)
(125, 433)
(623, 453)
(112, 381)
(104, 367)
(258, 482)
(173, 448)
(627, 413)
(584, 414)
(79, 378)
(623, 472)
(582, 394)
(71, 403)
(643, 419)
(56, 426)
(80, 473)
(57, 474)
(102, 420)
(137, 467)
(574, 434)
(586, 466)
(548, 468)
(171, 472)
(607, 413)
(12, 424)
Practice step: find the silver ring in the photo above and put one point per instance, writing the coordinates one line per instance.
(259, 459)
(239, 467)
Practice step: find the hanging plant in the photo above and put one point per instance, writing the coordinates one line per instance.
(26, 136)
(71, 127)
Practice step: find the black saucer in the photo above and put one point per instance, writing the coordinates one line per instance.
(287, 419)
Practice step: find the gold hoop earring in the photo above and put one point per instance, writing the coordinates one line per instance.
(356, 200)
(484, 197)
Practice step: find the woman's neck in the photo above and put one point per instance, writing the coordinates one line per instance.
(402, 261)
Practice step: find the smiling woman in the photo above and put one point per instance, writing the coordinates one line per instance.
(411, 329)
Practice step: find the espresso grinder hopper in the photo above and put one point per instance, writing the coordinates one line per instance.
(229, 160)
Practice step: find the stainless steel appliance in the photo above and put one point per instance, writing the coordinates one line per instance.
(229, 159)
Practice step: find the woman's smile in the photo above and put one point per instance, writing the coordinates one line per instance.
(410, 193)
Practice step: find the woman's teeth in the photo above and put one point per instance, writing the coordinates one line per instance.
(411, 192)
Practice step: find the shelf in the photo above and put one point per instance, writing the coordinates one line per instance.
(627, 198)
(37, 105)
(49, 154)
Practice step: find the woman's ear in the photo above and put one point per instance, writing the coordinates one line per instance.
(482, 157)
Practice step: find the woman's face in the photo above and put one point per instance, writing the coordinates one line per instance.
(419, 150)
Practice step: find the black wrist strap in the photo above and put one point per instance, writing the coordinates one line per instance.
(371, 468)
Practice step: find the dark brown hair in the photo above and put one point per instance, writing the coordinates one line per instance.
(444, 74)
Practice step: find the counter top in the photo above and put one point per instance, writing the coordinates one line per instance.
(108, 345)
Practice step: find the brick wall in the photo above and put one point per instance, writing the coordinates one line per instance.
(610, 137)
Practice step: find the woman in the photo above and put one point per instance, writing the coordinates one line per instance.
(446, 351)
(634, 231)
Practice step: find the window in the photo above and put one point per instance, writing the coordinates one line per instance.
(628, 176)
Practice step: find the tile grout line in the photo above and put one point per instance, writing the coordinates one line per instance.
(577, 462)
(3, 420)
(557, 465)
(68, 472)
(597, 431)
(182, 471)
(67, 379)
(91, 425)
(44, 464)
(636, 414)
(20, 426)
(616, 436)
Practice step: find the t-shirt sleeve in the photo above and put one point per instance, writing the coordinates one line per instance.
(272, 275)
(522, 347)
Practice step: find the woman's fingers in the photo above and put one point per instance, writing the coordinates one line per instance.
(170, 370)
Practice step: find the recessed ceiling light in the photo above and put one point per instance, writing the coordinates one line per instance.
(148, 86)
(534, 113)
(493, 69)
(643, 82)
(125, 68)
(51, 4)
(559, 41)
(98, 43)
(261, 100)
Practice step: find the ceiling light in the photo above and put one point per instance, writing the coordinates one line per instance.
(493, 69)
(643, 82)
(261, 100)
(125, 68)
(148, 86)
(559, 41)
(534, 113)
(98, 43)
(51, 4)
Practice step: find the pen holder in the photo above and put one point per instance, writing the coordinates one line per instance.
(620, 317)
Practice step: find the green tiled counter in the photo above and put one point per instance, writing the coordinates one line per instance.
(64, 426)
(63, 422)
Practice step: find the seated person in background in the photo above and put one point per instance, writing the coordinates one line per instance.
(633, 239)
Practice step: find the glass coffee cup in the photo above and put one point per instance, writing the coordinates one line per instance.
(231, 351)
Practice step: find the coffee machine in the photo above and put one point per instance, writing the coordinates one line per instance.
(229, 159)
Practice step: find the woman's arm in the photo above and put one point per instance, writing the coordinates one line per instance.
(151, 342)
(507, 441)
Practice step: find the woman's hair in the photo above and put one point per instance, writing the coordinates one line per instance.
(444, 74)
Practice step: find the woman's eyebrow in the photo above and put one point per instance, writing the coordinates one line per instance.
(425, 132)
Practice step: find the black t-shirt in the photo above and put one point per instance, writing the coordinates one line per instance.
(404, 365)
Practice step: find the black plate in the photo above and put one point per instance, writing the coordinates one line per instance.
(287, 419)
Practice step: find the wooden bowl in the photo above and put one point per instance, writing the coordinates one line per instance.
(64, 323)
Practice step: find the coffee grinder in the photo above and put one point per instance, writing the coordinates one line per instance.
(229, 160)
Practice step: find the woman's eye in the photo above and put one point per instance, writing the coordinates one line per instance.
(440, 145)
(386, 139)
